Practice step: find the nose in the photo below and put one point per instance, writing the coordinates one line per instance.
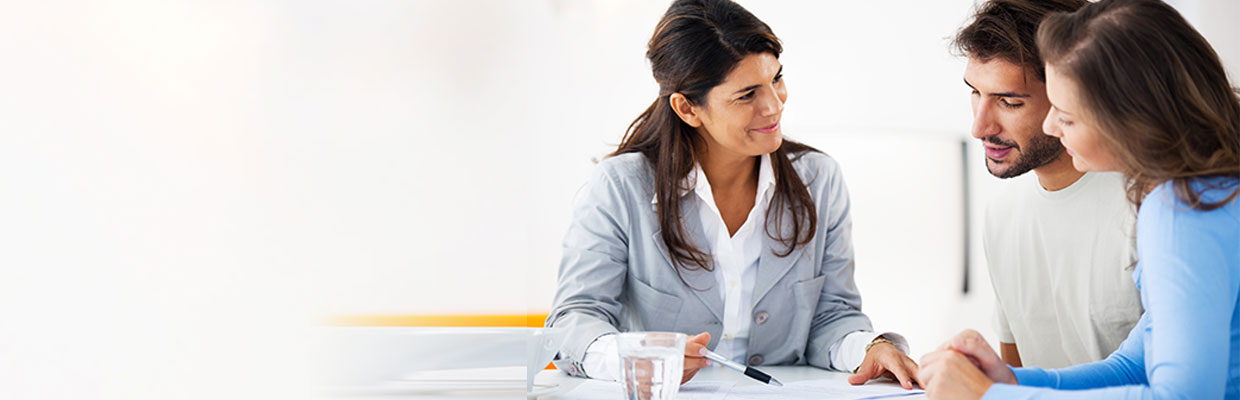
(1049, 126)
(984, 124)
(771, 104)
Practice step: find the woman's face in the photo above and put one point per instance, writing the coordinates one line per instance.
(1075, 126)
(740, 117)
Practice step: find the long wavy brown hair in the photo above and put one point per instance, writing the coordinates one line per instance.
(1159, 94)
(694, 47)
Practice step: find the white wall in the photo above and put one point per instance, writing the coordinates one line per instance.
(188, 186)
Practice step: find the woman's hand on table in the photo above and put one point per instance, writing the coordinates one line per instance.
(886, 360)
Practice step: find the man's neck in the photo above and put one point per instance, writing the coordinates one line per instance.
(1058, 174)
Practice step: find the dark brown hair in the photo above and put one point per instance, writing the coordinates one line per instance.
(694, 47)
(1156, 89)
(1006, 30)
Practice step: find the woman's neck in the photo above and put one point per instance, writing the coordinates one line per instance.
(729, 173)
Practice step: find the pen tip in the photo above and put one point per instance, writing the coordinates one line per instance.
(775, 382)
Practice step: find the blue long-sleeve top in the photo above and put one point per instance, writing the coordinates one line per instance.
(1187, 344)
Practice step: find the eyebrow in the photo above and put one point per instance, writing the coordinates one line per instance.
(1004, 94)
(752, 87)
(1061, 111)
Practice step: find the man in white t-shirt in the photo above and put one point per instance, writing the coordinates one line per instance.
(1060, 244)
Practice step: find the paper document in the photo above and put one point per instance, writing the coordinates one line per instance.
(824, 389)
(602, 390)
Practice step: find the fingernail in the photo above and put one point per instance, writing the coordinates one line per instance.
(710, 362)
(702, 352)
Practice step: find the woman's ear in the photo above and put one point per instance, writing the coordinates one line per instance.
(683, 108)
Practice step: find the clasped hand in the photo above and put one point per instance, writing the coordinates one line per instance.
(963, 368)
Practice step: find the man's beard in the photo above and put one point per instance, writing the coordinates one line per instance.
(1041, 150)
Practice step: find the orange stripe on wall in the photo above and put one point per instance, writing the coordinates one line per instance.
(471, 321)
(489, 321)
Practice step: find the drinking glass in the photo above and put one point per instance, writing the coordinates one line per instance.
(651, 364)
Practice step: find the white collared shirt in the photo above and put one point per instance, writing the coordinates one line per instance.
(735, 256)
(736, 265)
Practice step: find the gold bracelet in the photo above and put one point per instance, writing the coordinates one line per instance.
(878, 340)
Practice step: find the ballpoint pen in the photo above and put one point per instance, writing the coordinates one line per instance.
(748, 371)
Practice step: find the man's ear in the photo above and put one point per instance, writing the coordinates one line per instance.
(683, 108)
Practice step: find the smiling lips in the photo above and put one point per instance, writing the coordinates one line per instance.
(997, 153)
(769, 129)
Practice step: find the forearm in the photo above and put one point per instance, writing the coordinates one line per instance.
(1011, 356)
(583, 330)
(826, 333)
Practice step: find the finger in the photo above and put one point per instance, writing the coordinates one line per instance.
(926, 373)
(930, 357)
(901, 375)
(965, 335)
(688, 374)
(913, 371)
(936, 356)
(976, 348)
(696, 345)
(864, 373)
(959, 337)
(696, 362)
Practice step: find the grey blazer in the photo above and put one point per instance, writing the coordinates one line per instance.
(615, 273)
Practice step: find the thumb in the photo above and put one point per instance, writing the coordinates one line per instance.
(863, 374)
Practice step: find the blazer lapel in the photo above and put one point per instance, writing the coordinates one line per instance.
(701, 282)
(772, 267)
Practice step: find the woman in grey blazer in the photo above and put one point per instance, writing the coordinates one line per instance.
(706, 220)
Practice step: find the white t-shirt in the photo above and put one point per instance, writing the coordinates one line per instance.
(1060, 265)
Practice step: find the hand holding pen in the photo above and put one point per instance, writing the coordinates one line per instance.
(697, 356)
(744, 369)
(694, 360)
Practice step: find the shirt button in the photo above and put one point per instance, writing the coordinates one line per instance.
(761, 317)
(728, 336)
(755, 360)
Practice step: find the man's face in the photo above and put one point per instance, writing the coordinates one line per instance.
(1009, 105)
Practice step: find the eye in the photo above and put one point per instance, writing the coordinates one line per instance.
(1063, 122)
(1008, 104)
(778, 77)
(747, 96)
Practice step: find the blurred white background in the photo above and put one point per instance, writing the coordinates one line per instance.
(189, 187)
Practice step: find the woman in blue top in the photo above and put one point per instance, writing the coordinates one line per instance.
(1135, 89)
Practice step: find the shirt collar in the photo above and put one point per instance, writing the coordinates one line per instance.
(766, 180)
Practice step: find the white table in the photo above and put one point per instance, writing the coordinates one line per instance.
(785, 374)
(553, 384)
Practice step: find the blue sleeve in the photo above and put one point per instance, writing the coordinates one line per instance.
(1187, 282)
(1124, 367)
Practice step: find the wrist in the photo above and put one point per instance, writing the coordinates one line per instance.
(983, 387)
(877, 342)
